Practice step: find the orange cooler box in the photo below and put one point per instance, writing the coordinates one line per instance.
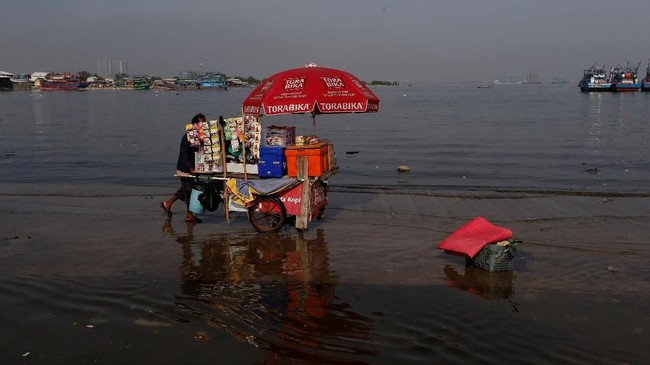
(316, 155)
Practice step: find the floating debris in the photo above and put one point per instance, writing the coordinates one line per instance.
(403, 168)
(201, 336)
(150, 323)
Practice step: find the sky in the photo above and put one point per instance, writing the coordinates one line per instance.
(398, 40)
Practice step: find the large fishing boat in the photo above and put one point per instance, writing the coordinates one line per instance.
(181, 84)
(645, 83)
(595, 79)
(186, 80)
(625, 79)
(214, 82)
(133, 83)
(62, 81)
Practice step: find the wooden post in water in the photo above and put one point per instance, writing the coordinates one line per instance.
(305, 199)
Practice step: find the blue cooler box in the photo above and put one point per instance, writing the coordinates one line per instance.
(272, 162)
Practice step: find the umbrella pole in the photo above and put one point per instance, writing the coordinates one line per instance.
(313, 123)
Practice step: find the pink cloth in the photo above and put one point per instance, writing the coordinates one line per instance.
(469, 239)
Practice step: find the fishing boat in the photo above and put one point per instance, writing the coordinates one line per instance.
(18, 81)
(235, 82)
(133, 83)
(186, 80)
(176, 84)
(5, 83)
(595, 79)
(625, 79)
(62, 81)
(645, 83)
(21, 82)
(214, 82)
(507, 81)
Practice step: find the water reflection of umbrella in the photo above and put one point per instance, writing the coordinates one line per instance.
(311, 89)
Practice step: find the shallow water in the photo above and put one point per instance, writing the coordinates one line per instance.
(540, 137)
(92, 273)
(121, 284)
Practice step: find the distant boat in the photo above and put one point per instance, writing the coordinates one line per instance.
(5, 83)
(180, 84)
(645, 83)
(486, 86)
(235, 82)
(507, 82)
(21, 82)
(625, 79)
(214, 82)
(62, 81)
(134, 83)
(18, 82)
(595, 79)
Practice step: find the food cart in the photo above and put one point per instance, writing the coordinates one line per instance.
(282, 176)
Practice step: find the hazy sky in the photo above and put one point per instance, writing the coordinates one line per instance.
(406, 41)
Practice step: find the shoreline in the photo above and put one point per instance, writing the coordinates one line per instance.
(604, 223)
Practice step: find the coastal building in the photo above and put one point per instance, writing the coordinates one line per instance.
(37, 75)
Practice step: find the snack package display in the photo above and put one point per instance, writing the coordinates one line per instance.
(280, 135)
(205, 136)
(306, 140)
(247, 132)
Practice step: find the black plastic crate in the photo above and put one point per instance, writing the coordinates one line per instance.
(494, 257)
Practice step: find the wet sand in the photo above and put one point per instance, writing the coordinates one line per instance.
(580, 285)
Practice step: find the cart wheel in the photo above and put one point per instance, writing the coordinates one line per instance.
(321, 214)
(267, 214)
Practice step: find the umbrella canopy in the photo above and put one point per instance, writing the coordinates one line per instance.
(310, 89)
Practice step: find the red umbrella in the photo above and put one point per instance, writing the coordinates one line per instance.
(311, 89)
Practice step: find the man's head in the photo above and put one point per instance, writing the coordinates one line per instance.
(198, 118)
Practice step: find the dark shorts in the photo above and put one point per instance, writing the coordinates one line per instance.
(183, 193)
